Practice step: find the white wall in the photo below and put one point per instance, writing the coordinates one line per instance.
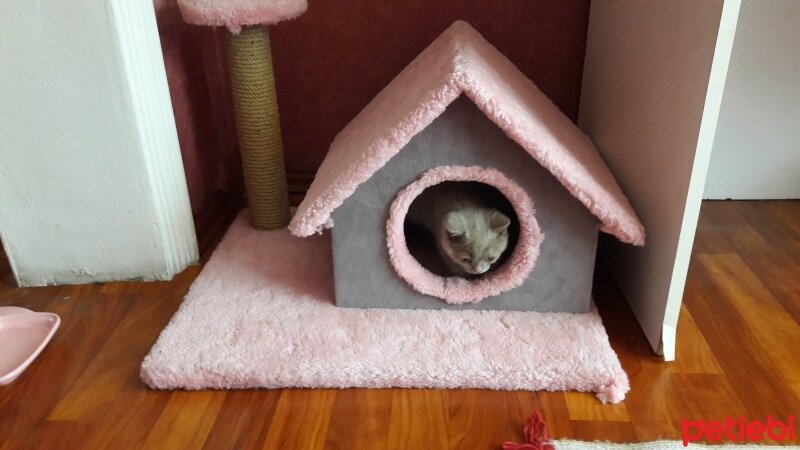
(91, 180)
(757, 150)
(652, 87)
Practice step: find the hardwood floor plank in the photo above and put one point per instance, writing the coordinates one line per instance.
(664, 398)
(708, 239)
(723, 215)
(243, 420)
(301, 419)
(88, 321)
(478, 419)
(419, 420)
(777, 277)
(117, 361)
(703, 396)
(186, 420)
(67, 435)
(768, 220)
(789, 212)
(769, 323)
(692, 350)
(360, 418)
(123, 427)
(742, 357)
(652, 410)
(764, 251)
(609, 431)
(584, 406)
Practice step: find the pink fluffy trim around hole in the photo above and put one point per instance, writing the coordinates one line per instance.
(457, 290)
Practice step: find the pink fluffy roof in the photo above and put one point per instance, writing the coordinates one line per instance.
(237, 13)
(462, 61)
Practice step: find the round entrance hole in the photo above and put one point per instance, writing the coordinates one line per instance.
(413, 252)
(422, 244)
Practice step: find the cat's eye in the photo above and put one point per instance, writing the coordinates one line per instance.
(490, 259)
(466, 259)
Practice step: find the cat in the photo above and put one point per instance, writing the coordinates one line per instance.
(470, 234)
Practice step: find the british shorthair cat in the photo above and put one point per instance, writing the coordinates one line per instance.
(470, 234)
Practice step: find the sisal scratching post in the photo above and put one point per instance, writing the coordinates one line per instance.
(255, 101)
(258, 125)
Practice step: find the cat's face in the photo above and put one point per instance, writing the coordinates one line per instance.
(475, 238)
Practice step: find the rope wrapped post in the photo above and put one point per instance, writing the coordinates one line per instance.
(254, 98)
(258, 126)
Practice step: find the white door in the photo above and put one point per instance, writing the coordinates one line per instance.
(652, 86)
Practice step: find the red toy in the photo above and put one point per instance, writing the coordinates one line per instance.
(535, 432)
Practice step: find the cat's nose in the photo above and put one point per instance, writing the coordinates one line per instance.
(480, 268)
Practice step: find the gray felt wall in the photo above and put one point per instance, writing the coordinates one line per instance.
(562, 278)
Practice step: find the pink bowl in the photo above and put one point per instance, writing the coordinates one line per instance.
(23, 335)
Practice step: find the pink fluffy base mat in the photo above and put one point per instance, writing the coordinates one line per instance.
(261, 315)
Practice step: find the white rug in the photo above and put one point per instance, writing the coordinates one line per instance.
(261, 314)
(658, 445)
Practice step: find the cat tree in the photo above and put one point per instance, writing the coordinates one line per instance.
(255, 102)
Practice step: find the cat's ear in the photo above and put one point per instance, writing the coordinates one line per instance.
(499, 222)
(455, 224)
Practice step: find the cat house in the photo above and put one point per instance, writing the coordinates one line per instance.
(463, 113)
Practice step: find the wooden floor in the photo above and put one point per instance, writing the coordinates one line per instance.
(738, 354)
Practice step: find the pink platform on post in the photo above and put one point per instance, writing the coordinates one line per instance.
(235, 14)
(254, 96)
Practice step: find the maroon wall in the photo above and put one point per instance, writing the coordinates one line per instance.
(332, 60)
(201, 100)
